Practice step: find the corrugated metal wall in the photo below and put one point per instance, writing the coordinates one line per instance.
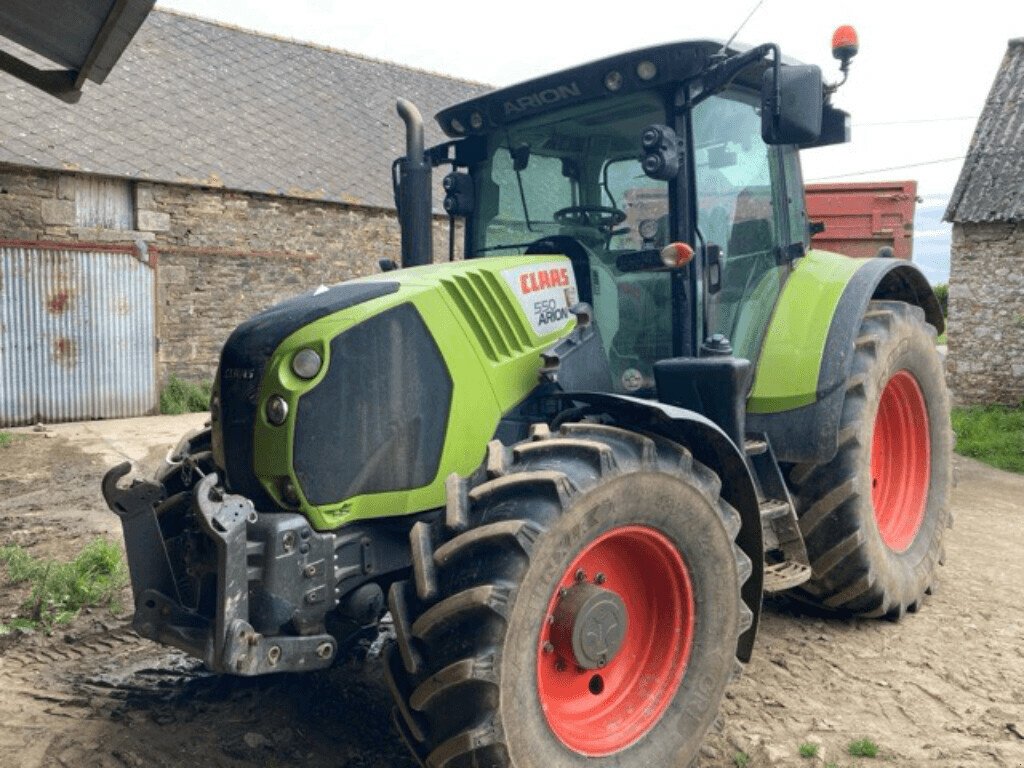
(77, 335)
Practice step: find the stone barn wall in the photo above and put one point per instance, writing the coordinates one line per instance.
(986, 314)
(220, 255)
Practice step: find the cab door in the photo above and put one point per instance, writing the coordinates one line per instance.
(745, 207)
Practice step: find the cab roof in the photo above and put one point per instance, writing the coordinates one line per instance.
(621, 74)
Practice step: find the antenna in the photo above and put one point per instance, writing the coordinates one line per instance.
(741, 26)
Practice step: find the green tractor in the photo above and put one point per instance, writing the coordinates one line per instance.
(570, 465)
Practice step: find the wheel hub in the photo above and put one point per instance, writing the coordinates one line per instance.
(589, 626)
(900, 461)
(615, 640)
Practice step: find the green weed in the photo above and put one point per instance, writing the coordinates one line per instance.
(862, 748)
(59, 590)
(942, 294)
(993, 434)
(741, 759)
(181, 396)
(6, 438)
(808, 750)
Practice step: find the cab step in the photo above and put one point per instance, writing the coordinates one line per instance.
(788, 565)
(779, 577)
(755, 446)
(774, 509)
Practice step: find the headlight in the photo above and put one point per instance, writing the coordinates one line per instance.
(646, 70)
(277, 410)
(613, 80)
(306, 364)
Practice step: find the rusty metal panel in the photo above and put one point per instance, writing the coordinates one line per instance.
(861, 217)
(77, 335)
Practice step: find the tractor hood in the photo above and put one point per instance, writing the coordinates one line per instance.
(358, 400)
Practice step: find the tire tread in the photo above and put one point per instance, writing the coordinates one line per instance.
(518, 497)
(833, 508)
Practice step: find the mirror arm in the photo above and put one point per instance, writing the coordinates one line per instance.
(720, 75)
(777, 65)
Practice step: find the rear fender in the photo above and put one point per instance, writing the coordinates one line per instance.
(808, 352)
(712, 447)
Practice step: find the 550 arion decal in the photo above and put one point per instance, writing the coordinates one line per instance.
(545, 292)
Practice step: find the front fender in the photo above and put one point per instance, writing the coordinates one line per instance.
(712, 447)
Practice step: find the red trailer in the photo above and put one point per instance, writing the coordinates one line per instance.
(860, 218)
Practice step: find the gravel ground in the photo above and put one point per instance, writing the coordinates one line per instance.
(944, 687)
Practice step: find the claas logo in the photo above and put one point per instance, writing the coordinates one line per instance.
(543, 279)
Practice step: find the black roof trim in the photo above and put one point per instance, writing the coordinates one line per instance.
(83, 36)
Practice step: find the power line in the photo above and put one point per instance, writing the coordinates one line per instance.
(890, 168)
(918, 121)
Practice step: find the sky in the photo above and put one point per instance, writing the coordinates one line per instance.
(914, 92)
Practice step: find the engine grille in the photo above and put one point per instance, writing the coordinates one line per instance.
(377, 420)
(494, 318)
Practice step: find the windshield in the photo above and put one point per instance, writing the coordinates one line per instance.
(572, 183)
(582, 157)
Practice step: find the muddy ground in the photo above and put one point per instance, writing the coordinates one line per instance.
(944, 687)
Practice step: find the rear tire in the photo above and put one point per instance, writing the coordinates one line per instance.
(873, 518)
(483, 677)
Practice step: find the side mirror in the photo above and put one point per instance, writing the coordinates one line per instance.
(791, 108)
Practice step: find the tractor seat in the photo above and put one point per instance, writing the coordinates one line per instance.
(751, 236)
(747, 240)
(576, 252)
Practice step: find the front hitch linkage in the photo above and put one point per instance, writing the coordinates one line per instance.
(229, 643)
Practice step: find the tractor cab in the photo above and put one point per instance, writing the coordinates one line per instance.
(613, 162)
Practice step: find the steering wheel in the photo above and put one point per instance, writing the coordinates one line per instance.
(601, 217)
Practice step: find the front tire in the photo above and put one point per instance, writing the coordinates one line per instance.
(587, 612)
(873, 518)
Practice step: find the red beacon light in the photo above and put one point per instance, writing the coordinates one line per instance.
(845, 44)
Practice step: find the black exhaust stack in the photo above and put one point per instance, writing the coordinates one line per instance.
(413, 191)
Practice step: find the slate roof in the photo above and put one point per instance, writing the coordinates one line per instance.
(991, 184)
(202, 103)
